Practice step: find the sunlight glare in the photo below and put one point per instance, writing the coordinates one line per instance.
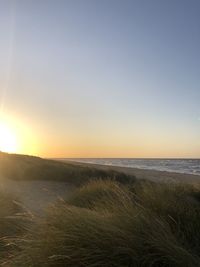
(8, 141)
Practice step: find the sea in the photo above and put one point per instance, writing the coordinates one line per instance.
(188, 166)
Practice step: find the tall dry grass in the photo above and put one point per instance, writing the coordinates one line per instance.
(106, 224)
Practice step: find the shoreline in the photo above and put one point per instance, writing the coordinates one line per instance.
(154, 175)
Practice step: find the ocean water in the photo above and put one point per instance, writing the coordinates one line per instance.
(189, 166)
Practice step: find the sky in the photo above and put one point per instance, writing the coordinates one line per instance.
(101, 78)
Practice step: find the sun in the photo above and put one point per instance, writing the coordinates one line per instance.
(8, 140)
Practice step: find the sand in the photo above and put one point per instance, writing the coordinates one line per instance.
(36, 196)
(160, 176)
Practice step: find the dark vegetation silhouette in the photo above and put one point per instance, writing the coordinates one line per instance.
(22, 167)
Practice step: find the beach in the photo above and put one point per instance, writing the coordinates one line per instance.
(153, 175)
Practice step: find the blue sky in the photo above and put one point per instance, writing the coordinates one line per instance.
(113, 78)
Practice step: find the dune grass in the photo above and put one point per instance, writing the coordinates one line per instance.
(112, 220)
(99, 194)
(22, 167)
(107, 224)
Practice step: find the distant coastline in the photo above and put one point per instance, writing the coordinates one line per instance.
(181, 166)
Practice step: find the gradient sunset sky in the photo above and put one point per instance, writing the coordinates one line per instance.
(101, 78)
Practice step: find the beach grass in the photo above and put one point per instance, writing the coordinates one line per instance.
(111, 219)
(22, 167)
(107, 224)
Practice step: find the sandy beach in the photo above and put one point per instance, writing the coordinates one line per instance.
(161, 176)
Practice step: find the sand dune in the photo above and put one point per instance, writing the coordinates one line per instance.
(37, 195)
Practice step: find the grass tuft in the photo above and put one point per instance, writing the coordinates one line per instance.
(106, 224)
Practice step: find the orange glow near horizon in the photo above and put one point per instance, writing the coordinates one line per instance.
(22, 136)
